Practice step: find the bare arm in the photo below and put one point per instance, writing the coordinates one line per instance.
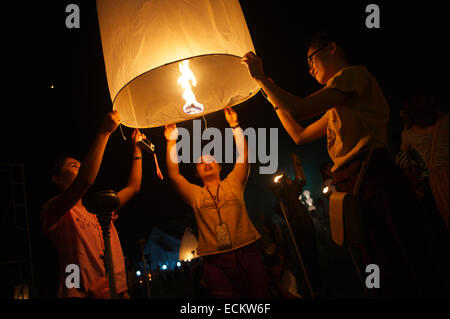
(182, 186)
(299, 134)
(300, 108)
(87, 173)
(241, 168)
(135, 178)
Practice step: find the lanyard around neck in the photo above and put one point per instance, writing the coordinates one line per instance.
(214, 200)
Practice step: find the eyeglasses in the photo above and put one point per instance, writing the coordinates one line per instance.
(310, 57)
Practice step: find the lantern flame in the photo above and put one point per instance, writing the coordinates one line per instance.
(277, 178)
(192, 106)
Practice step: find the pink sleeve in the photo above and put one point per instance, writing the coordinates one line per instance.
(44, 220)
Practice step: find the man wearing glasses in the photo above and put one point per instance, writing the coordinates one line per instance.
(354, 120)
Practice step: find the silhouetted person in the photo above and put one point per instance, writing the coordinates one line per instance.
(426, 131)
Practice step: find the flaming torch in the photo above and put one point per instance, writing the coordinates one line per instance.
(192, 106)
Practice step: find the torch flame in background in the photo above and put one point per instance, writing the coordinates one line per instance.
(192, 106)
(277, 178)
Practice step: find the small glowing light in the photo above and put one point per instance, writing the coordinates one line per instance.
(192, 106)
(178, 264)
(277, 178)
(52, 86)
(138, 273)
(164, 267)
(325, 190)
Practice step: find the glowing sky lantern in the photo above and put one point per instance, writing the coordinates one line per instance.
(169, 61)
(188, 245)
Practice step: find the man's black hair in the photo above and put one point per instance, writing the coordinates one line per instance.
(319, 40)
(323, 38)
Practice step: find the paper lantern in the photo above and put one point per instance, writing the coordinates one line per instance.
(188, 245)
(144, 43)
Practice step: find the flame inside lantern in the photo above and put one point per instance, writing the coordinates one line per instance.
(192, 106)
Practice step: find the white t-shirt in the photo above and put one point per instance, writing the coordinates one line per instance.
(358, 122)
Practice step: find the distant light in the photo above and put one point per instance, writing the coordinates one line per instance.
(138, 273)
(277, 178)
(178, 264)
(164, 267)
(52, 86)
(325, 190)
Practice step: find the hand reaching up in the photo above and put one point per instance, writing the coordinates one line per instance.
(171, 132)
(231, 116)
(110, 123)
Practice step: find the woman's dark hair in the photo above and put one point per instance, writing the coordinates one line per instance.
(420, 110)
(57, 164)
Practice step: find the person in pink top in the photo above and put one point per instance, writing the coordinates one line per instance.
(75, 232)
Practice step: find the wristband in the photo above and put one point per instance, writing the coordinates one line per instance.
(236, 126)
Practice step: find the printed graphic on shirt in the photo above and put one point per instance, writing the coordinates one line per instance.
(225, 201)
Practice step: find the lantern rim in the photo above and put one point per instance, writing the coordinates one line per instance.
(193, 116)
(169, 63)
(177, 61)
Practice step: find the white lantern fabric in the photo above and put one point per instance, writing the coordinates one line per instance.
(144, 41)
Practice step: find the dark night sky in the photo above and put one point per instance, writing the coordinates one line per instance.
(408, 53)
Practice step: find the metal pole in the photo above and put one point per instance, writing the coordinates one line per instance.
(110, 267)
(358, 271)
(103, 204)
(144, 263)
(291, 235)
(105, 223)
(30, 259)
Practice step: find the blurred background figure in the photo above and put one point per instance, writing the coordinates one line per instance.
(426, 132)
